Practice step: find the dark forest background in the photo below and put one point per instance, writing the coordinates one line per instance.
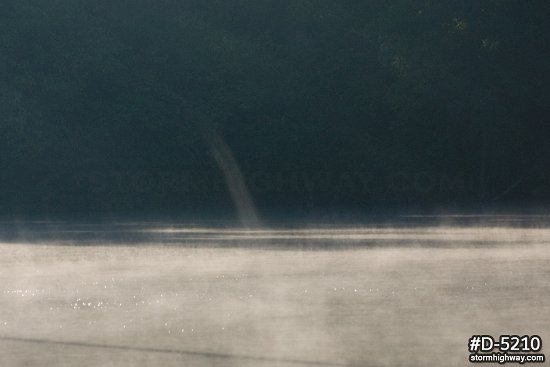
(325, 104)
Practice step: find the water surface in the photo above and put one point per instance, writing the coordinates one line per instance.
(172, 294)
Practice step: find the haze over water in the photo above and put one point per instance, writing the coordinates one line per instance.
(407, 293)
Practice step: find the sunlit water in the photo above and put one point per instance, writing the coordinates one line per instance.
(154, 294)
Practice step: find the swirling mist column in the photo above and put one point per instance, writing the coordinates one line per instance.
(234, 179)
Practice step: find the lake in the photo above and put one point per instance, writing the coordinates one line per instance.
(405, 293)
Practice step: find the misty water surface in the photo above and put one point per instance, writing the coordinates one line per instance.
(169, 294)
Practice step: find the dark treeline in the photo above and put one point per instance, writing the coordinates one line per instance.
(353, 103)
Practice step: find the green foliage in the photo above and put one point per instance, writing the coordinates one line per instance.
(377, 88)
